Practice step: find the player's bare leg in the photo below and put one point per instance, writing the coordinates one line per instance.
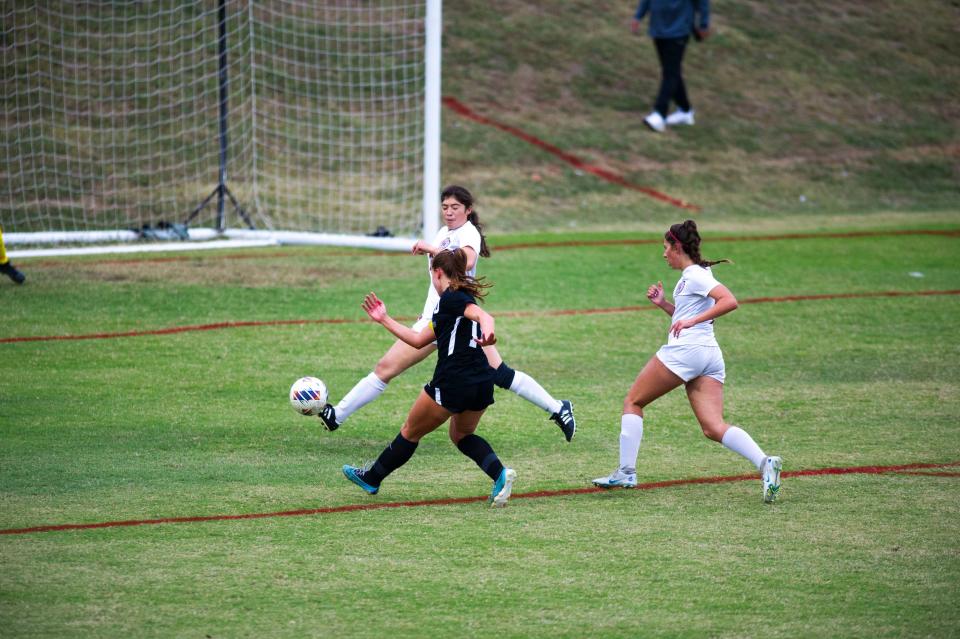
(398, 358)
(653, 381)
(706, 399)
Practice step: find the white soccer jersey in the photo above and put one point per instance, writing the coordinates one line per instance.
(690, 298)
(447, 239)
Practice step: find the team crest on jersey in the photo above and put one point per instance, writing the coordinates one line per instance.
(445, 243)
(680, 286)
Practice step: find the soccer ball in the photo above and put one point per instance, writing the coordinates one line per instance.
(308, 395)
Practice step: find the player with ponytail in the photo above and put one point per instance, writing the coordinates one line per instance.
(691, 357)
(462, 384)
(462, 229)
(454, 264)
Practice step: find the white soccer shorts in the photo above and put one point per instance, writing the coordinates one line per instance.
(690, 361)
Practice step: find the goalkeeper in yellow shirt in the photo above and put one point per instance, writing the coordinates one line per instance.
(6, 267)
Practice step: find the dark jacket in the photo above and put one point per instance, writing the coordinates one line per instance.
(674, 18)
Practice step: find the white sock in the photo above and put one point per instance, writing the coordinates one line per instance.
(737, 440)
(365, 391)
(528, 388)
(631, 433)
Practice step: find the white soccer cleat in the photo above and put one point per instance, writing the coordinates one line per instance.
(771, 479)
(655, 122)
(680, 117)
(617, 479)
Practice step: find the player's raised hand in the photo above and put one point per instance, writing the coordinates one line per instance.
(375, 308)
(655, 293)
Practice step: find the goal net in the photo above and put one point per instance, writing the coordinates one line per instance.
(291, 117)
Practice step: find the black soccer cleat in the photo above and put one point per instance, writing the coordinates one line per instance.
(11, 271)
(328, 416)
(565, 420)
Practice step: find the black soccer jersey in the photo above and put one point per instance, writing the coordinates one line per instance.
(460, 360)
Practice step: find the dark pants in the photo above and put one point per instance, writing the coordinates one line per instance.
(670, 51)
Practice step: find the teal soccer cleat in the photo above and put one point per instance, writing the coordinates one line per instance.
(354, 474)
(502, 488)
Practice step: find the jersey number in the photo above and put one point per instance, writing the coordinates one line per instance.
(474, 335)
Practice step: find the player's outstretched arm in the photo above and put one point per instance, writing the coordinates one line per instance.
(377, 311)
(422, 247)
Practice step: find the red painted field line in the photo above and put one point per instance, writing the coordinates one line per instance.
(458, 107)
(868, 470)
(557, 313)
(842, 296)
(754, 238)
(925, 473)
(172, 330)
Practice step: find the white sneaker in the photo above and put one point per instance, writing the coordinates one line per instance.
(617, 478)
(680, 117)
(655, 122)
(771, 478)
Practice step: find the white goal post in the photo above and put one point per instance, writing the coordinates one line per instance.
(284, 121)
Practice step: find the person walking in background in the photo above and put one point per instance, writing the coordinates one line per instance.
(690, 357)
(462, 384)
(6, 267)
(671, 24)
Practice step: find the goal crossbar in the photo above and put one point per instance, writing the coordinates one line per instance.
(198, 239)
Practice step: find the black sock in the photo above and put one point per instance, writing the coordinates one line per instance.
(393, 457)
(503, 376)
(477, 449)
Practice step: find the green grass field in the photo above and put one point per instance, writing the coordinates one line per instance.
(813, 120)
(196, 424)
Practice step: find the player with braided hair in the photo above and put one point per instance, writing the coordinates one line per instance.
(691, 357)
